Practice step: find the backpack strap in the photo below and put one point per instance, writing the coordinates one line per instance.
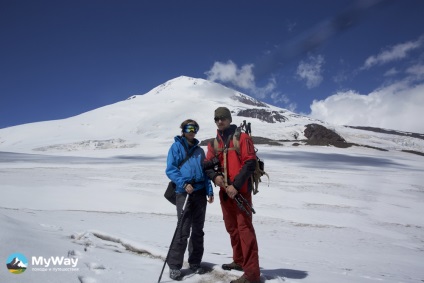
(225, 150)
(236, 141)
(188, 155)
(236, 146)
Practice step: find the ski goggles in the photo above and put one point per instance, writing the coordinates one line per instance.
(191, 129)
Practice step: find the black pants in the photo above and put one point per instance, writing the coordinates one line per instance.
(194, 220)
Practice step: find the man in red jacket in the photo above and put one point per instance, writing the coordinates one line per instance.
(233, 179)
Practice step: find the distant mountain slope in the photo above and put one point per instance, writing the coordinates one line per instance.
(154, 118)
(391, 132)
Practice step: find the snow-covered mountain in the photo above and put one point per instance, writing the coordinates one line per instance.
(153, 119)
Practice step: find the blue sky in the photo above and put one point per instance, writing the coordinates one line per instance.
(346, 62)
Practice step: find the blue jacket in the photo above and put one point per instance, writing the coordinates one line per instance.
(192, 170)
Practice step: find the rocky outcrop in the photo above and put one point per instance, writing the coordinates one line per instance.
(248, 100)
(263, 115)
(320, 135)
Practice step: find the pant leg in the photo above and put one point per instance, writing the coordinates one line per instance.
(229, 213)
(242, 235)
(198, 209)
(179, 245)
(249, 244)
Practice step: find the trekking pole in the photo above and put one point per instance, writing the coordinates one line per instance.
(240, 200)
(240, 205)
(247, 203)
(173, 238)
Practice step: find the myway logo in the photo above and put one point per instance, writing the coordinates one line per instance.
(62, 261)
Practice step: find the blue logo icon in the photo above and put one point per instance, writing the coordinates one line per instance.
(17, 263)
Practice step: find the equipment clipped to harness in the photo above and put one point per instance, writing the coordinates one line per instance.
(244, 205)
(260, 165)
(257, 174)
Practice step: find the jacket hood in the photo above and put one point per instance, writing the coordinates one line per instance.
(184, 141)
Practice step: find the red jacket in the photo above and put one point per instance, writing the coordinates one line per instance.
(239, 166)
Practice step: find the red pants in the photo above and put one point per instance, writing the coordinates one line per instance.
(242, 234)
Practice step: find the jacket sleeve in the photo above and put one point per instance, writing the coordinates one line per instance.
(172, 170)
(248, 161)
(207, 164)
(208, 186)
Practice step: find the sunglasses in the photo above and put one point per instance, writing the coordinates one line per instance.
(222, 118)
(191, 129)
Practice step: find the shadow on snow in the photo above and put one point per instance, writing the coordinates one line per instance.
(40, 158)
(286, 273)
(331, 160)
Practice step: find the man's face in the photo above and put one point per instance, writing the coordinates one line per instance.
(222, 123)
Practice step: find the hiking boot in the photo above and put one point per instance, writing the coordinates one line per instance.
(175, 274)
(243, 279)
(231, 266)
(196, 268)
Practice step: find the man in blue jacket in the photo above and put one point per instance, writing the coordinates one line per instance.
(189, 178)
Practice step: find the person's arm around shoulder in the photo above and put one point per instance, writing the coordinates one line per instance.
(209, 190)
(208, 185)
(216, 177)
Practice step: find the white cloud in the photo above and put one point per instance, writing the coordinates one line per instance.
(267, 90)
(394, 53)
(229, 73)
(397, 106)
(311, 71)
(243, 78)
(416, 70)
(391, 72)
(282, 99)
(340, 77)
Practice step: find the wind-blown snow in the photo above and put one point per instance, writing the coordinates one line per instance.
(91, 187)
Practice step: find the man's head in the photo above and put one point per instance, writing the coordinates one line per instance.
(222, 118)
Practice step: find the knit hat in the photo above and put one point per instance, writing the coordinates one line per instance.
(223, 112)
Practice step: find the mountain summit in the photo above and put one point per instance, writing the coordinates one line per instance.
(154, 118)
